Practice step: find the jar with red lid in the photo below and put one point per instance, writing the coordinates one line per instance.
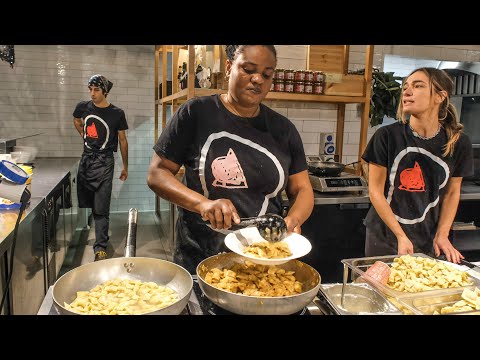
(289, 86)
(299, 75)
(279, 85)
(308, 88)
(279, 74)
(317, 88)
(309, 75)
(299, 87)
(318, 76)
(289, 74)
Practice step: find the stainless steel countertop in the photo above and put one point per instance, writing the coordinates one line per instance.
(469, 191)
(337, 198)
(48, 172)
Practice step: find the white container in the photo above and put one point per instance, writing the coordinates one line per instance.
(327, 143)
(327, 149)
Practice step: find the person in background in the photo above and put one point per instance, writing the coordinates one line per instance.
(102, 126)
(239, 155)
(416, 168)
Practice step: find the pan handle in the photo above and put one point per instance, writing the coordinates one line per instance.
(131, 244)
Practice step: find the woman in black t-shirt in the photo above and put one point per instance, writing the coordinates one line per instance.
(416, 168)
(239, 155)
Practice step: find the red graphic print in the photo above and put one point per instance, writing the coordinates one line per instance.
(92, 131)
(412, 179)
(227, 172)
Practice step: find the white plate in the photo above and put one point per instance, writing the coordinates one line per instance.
(298, 244)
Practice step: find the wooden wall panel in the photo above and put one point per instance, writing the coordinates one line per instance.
(327, 58)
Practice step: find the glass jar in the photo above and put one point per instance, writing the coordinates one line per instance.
(308, 89)
(299, 75)
(299, 87)
(279, 86)
(279, 74)
(289, 86)
(318, 88)
(289, 74)
(318, 76)
(272, 86)
(309, 75)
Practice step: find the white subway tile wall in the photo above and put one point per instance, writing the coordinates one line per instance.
(40, 93)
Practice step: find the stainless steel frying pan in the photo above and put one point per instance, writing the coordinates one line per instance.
(259, 305)
(159, 271)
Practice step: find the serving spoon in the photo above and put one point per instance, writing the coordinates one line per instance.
(272, 227)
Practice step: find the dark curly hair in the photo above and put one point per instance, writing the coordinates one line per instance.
(233, 51)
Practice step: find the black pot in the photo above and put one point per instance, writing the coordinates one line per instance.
(327, 168)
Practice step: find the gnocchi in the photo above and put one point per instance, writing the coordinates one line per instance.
(255, 280)
(268, 250)
(414, 273)
(123, 297)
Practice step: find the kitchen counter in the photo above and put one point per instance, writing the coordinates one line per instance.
(47, 174)
(340, 198)
(469, 191)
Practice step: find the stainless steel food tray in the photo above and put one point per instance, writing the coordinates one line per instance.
(359, 299)
(359, 266)
(427, 303)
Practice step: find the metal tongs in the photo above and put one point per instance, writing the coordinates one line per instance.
(271, 227)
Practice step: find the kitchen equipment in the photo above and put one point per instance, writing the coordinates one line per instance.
(325, 176)
(360, 299)
(338, 184)
(470, 265)
(359, 266)
(162, 272)
(428, 303)
(271, 227)
(298, 245)
(258, 305)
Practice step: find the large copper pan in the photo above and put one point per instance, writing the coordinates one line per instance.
(256, 305)
(161, 272)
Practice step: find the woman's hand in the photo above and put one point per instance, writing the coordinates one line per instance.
(405, 246)
(219, 212)
(293, 224)
(442, 244)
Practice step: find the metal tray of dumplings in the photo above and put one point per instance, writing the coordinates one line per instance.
(359, 266)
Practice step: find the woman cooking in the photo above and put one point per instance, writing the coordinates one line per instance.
(239, 155)
(415, 171)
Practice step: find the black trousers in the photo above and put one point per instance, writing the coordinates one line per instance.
(94, 190)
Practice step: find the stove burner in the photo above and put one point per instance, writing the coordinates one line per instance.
(209, 308)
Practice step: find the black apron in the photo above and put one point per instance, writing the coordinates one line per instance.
(94, 181)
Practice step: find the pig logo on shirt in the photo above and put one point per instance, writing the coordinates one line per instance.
(228, 172)
(411, 179)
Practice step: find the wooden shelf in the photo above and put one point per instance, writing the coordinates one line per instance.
(314, 98)
(283, 96)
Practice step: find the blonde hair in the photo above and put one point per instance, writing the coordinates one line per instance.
(447, 114)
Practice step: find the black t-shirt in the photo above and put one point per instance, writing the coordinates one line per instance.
(417, 176)
(101, 126)
(246, 160)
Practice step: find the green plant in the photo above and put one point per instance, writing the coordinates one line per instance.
(385, 97)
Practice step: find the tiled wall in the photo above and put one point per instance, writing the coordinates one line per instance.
(40, 93)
